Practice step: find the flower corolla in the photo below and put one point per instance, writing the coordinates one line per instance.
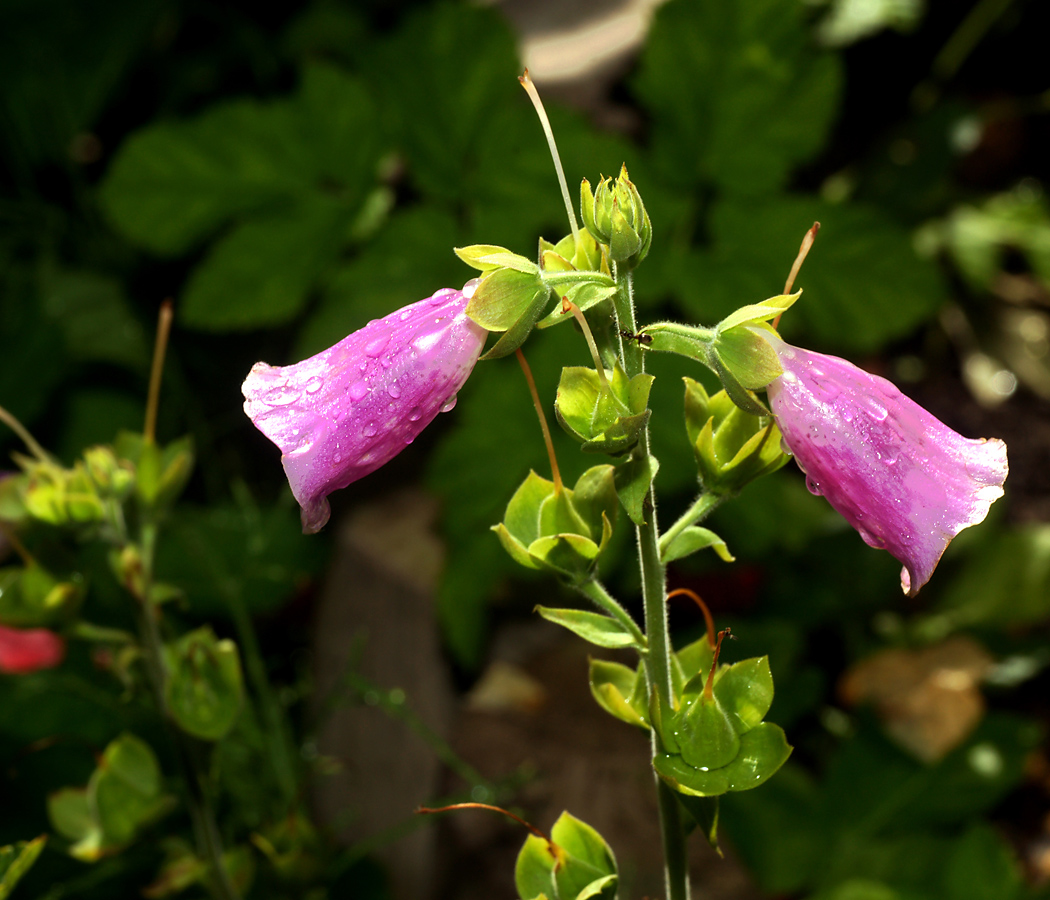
(343, 413)
(24, 650)
(906, 481)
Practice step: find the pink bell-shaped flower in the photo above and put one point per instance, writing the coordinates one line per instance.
(25, 650)
(901, 477)
(343, 413)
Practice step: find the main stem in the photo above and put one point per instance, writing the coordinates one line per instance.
(658, 660)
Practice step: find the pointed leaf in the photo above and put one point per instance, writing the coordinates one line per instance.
(604, 631)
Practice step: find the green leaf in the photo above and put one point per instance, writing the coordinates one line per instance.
(71, 814)
(16, 860)
(761, 312)
(603, 631)
(601, 887)
(633, 480)
(727, 85)
(982, 866)
(205, 690)
(864, 284)
(260, 274)
(583, 843)
(695, 538)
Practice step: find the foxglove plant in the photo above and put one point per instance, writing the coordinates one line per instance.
(350, 409)
(904, 480)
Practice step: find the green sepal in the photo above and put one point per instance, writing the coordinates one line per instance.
(615, 688)
(113, 477)
(748, 355)
(585, 294)
(759, 312)
(763, 750)
(740, 395)
(575, 864)
(604, 421)
(732, 447)
(505, 296)
(603, 631)
(564, 532)
(661, 718)
(125, 788)
(704, 812)
(16, 860)
(692, 539)
(204, 691)
(745, 692)
(486, 257)
(706, 737)
(32, 596)
(122, 795)
(692, 660)
(588, 859)
(633, 480)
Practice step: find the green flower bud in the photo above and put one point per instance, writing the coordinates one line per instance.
(563, 531)
(204, 690)
(605, 415)
(732, 447)
(111, 476)
(615, 215)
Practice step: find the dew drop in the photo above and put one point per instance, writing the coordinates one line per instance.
(282, 395)
(414, 414)
(405, 315)
(784, 448)
(358, 390)
(440, 298)
(813, 486)
(315, 384)
(364, 366)
(337, 458)
(376, 347)
(449, 404)
(871, 540)
(876, 410)
(386, 362)
(393, 390)
(370, 429)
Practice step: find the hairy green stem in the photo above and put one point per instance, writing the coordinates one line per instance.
(206, 832)
(595, 592)
(654, 592)
(704, 505)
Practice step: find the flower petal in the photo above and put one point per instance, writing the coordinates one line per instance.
(343, 413)
(25, 650)
(897, 474)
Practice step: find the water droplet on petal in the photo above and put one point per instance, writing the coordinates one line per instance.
(784, 448)
(871, 540)
(405, 315)
(393, 390)
(414, 414)
(282, 395)
(376, 347)
(358, 390)
(876, 410)
(315, 384)
(386, 362)
(813, 486)
(449, 404)
(370, 429)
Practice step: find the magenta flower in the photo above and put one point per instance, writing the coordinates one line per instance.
(25, 650)
(902, 478)
(350, 409)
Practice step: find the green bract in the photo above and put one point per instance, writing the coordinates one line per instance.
(605, 418)
(732, 447)
(575, 864)
(615, 215)
(561, 531)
